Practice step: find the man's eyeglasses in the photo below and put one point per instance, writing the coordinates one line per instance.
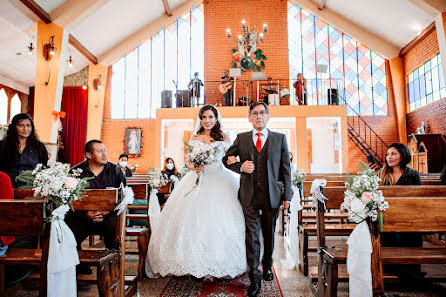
(260, 113)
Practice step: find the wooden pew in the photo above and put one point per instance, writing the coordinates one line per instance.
(110, 263)
(141, 191)
(307, 225)
(330, 258)
(24, 217)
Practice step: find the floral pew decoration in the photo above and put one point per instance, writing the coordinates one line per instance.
(364, 201)
(156, 180)
(60, 188)
(297, 178)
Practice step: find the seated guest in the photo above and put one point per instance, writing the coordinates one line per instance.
(172, 173)
(396, 172)
(122, 162)
(21, 148)
(6, 192)
(105, 174)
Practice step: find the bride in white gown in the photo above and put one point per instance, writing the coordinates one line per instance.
(201, 230)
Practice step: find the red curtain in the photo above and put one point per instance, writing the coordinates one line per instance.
(74, 125)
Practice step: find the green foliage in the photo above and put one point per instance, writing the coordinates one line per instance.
(234, 50)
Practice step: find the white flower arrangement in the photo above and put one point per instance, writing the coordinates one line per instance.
(55, 183)
(297, 177)
(363, 199)
(157, 179)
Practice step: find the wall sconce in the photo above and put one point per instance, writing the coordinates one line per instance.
(70, 62)
(49, 49)
(84, 86)
(97, 83)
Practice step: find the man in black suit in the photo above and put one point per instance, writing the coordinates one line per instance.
(194, 86)
(265, 184)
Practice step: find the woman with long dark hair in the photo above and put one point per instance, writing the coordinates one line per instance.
(21, 149)
(201, 230)
(396, 172)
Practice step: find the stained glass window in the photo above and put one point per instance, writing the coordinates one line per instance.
(171, 55)
(426, 84)
(330, 59)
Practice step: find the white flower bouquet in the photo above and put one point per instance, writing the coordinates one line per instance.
(298, 177)
(201, 155)
(363, 199)
(55, 183)
(157, 179)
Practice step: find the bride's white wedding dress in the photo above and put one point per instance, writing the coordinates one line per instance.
(201, 230)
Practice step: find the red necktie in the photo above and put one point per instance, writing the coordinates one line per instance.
(259, 142)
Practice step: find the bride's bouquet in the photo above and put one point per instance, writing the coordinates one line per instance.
(55, 183)
(363, 199)
(201, 155)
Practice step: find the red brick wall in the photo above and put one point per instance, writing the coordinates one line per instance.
(223, 14)
(434, 114)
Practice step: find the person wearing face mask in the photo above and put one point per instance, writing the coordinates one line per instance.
(172, 173)
(123, 161)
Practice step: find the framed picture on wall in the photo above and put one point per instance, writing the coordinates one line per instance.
(133, 141)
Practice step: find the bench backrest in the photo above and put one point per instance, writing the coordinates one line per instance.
(415, 214)
(140, 190)
(21, 217)
(335, 195)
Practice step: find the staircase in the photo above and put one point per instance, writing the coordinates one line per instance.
(364, 137)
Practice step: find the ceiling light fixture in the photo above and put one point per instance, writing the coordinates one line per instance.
(249, 39)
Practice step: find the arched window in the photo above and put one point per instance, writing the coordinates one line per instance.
(16, 106)
(3, 111)
(10, 104)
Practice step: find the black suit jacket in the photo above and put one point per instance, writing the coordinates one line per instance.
(279, 175)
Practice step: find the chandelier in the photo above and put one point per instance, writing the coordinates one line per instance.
(249, 39)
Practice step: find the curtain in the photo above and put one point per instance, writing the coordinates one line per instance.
(74, 125)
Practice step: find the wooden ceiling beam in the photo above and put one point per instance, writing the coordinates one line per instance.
(37, 10)
(82, 49)
(167, 8)
(417, 39)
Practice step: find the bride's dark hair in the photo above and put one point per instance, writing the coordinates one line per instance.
(216, 132)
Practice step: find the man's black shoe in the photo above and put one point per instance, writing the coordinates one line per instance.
(268, 274)
(254, 288)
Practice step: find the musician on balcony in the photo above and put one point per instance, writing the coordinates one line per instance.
(301, 89)
(226, 84)
(194, 86)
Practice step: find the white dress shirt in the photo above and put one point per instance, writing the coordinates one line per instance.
(263, 137)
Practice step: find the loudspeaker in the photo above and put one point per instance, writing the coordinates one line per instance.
(182, 98)
(332, 97)
(166, 99)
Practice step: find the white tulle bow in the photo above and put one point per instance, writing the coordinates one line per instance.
(62, 257)
(128, 198)
(359, 261)
(316, 190)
